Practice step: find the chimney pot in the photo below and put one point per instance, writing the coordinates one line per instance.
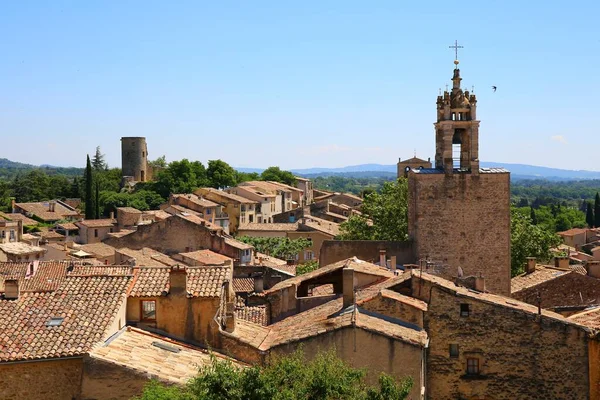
(480, 283)
(11, 289)
(348, 286)
(531, 262)
(382, 261)
(393, 263)
(259, 283)
(112, 215)
(593, 268)
(561, 262)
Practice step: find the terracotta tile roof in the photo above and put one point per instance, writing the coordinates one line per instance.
(287, 269)
(137, 350)
(237, 244)
(589, 318)
(207, 257)
(254, 314)
(321, 319)
(200, 201)
(19, 248)
(206, 281)
(97, 223)
(274, 263)
(243, 285)
(150, 282)
(47, 275)
(356, 264)
(121, 233)
(321, 225)
(98, 249)
(572, 232)
(541, 274)
(201, 281)
(223, 196)
(69, 226)
(88, 306)
(101, 270)
(175, 209)
(129, 210)
(41, 210)
(489, 298)
(19, 217)
(274, 227)
(47, 234)
(147, 257)
(159, 215)
(322, 290)
(199, 221)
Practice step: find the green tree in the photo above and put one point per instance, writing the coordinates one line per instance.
(528, 240)
(533, 216)
(278, 175)
(159, 163)
(89, 193)
(179, 177)
(98, 162)
(278, 247)
(384, 215)
(597, 211)
(291, 377)
(220, 174)
(246, 176)
(307, 267)
(589, 216)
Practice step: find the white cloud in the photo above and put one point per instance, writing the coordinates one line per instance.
(559, 139)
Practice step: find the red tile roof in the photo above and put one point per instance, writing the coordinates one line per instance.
(47, 275)
(97, 223)
(201, 281)
(243, 285)
(88, 306)
(207, 257)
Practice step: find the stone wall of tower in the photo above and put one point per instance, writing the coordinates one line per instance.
(134, 159)
(463, 220)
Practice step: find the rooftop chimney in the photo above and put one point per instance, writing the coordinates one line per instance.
(561, 262)
(531, 262)
(480, 283)
(11, 289)
(593, 268)
(348, 286)
(393, 263)
(177, 280)
(229, 322)
(382, 258)
(259, 283)
(112, 215)
(52, 206)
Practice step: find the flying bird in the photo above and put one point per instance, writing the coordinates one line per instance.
(494, 87)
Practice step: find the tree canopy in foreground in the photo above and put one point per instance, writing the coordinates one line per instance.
(291, 377)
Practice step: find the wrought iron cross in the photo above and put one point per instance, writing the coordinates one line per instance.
(456, 47)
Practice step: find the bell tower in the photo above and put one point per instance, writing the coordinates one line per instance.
(459, 213)
(457, 129)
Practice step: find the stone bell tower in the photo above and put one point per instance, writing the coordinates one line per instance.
(457, 129)
(459, 213)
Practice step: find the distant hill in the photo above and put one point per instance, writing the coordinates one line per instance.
(518, 171)
(9, 169)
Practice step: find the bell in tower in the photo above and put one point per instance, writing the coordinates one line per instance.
(457, 129)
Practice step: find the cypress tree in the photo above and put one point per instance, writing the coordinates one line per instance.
(89, 194)
(597, 211)
(97, 199)
(589, 215)
(533, 216)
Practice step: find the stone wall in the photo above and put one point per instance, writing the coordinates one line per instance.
(363, 349)
(568, 290)
(463, 220)
(336, 250)
(180, 317)
(395, 309)
(104, 380)
(174, 235)
(55, 379)
(521, 356)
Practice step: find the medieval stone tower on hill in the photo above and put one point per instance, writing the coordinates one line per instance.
(134, 159)
(459, 213)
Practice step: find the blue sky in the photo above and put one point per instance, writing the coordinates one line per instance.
(296, 84)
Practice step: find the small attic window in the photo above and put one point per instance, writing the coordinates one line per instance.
(166, 347)
(55, 321)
